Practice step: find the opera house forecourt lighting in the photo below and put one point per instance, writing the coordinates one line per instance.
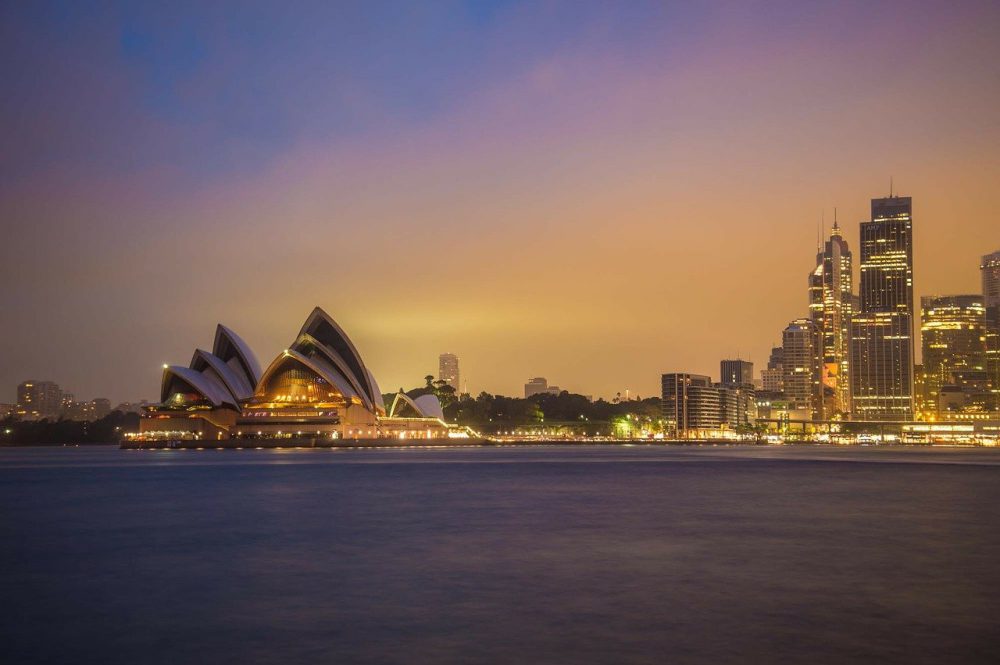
(317, 388)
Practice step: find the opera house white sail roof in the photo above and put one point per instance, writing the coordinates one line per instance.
(321, 366)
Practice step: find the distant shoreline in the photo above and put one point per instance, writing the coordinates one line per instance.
(354, 444)
(373, 444)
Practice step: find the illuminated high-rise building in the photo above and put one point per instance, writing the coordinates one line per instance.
(39, 399)
(691, 404)
(830, 307)
(990, 268)
(881, 358)
(801, 364)
(953, 341)
(448, 370)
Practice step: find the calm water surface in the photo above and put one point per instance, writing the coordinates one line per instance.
(531, 555)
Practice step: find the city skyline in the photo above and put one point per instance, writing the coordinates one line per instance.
(541, 164)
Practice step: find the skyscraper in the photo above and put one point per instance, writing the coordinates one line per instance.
(830, 307)
(448, 371)
(737, 406)
(953, 341)
(990, 268)
(881, 359)
(801, 365)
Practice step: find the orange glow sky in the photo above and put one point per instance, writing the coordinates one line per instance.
(567, 193)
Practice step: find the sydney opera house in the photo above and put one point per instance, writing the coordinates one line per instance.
(318, 387)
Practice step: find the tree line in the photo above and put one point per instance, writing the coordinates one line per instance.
(493, 414)
(108, 429)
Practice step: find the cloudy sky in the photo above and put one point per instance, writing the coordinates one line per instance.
(591, 192)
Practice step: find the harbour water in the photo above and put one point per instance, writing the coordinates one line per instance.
(500, 555)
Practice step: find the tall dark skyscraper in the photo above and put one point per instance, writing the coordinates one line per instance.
(737, 373)
(830, 306)
(990, 268)
(882, 331)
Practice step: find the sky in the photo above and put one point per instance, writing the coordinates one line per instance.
(596, 193)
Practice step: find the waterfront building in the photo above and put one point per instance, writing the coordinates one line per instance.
(830, 308)
(736, 373)
(448, 371)
(539, 386)
(772, 378)
(38, 399)
(737, 405)
(318, 387)
(690, 404)
(802, 367)
(953, 342)
(881, 358)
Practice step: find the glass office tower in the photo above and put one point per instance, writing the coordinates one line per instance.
(881, 356)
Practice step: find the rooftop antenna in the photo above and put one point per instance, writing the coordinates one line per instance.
(890, 187)
(835, 227)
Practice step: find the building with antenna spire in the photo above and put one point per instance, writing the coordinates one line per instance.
(831, 308)
(881, 358)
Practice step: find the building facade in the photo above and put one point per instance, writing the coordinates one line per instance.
(37, 400)
(95, 409)
(831, 286)
(990, 269)
(448, 371)
(772, 378)
(737, 405)
(539, 386)
(691, 404)
(953, 344)
(882, 352)
(736, 373)
(802, 367)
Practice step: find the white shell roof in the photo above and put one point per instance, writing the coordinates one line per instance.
(426, 406)
(205, 385)
(324, 329)
(430, 406)
(242, 349)
(235, 381)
